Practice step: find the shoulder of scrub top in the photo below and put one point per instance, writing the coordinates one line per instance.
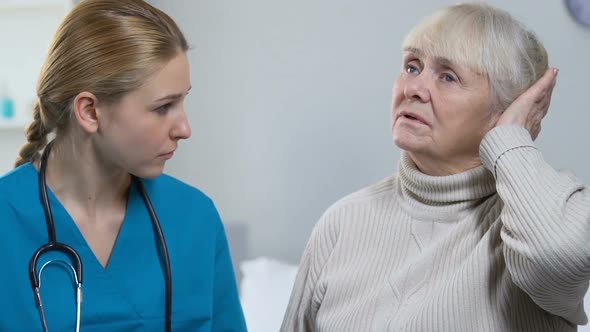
(19, 181)
(176, 193)
(184, 206)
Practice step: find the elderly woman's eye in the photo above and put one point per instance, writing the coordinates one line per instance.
(411, 69)
(449, 78)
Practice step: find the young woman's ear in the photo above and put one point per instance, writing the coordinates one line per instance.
(85, 110)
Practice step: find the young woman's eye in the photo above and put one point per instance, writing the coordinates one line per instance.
(164, 108)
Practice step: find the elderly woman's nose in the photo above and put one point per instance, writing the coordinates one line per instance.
(416, 88)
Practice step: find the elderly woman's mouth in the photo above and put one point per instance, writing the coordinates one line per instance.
(412, 118)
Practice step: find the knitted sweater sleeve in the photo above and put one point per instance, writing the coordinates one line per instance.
(546, 223)
(307, 293)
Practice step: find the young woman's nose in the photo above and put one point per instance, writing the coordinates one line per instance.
(182, 128)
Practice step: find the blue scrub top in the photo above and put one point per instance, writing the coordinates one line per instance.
(127, 295)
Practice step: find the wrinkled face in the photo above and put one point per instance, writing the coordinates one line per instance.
(440, 110)
(141, 131)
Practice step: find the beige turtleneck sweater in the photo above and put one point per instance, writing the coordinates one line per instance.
(502, 247)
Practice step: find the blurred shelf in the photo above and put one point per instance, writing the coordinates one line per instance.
(13, 125)
(29, 25)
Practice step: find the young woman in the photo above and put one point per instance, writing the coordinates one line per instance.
(94, 235)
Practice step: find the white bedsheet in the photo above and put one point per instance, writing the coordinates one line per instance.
(265, 289)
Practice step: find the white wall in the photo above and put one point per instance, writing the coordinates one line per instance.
(26, 29)
(290, 105)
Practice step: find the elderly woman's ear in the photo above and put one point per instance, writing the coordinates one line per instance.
(530, 108)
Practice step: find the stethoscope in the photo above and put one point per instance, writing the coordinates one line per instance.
(76, 265)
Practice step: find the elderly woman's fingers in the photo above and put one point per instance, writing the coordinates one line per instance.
(529, 109)
(544, 86)
(544, 105)
(549, 93)
(546, 100)
(541, 91)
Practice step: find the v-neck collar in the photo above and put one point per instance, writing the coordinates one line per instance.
(66, 226)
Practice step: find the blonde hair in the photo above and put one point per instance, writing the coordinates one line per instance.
(106, 47)
(487, 40)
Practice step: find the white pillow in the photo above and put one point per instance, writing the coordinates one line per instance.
(265, 290)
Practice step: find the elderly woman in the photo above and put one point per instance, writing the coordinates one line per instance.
(476, 231)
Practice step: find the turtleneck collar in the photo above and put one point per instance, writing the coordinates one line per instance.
(443, 194)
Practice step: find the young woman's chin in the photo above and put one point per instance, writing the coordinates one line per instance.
(149, 172)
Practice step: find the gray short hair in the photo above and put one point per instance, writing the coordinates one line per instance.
(489, 41)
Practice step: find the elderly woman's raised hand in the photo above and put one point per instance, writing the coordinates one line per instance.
(530, 108)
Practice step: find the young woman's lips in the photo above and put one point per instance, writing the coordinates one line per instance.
(167, 156)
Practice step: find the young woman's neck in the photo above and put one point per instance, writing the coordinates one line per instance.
(76, 174)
